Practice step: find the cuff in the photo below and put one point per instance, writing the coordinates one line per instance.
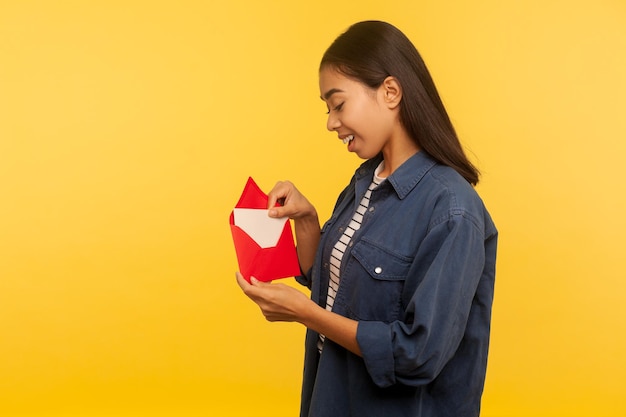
(374, 339)
(304, 279)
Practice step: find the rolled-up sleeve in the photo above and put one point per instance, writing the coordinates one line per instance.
(304, 279)
(439, 292)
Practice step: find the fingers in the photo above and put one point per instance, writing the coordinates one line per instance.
(278, 302)
(284, 200)
(247, 286)
(242, 281)
(292, 203)
(279, 193)
(253, 291)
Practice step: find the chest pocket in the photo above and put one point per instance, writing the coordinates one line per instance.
(377, 281)
(380, 263)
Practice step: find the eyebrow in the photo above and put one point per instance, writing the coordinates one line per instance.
(330, 93)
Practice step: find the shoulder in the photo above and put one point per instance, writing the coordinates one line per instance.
(454, 199)
(446, 181)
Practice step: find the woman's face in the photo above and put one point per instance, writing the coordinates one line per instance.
(361, 116)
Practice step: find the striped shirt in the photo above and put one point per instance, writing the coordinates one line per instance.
(342, 244)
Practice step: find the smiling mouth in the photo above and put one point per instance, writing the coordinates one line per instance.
(348, 139)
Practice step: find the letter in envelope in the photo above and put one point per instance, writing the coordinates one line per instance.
(264, 245)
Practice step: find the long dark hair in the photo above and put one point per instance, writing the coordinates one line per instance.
(371, 51)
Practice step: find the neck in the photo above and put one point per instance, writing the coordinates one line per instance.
(397, 152)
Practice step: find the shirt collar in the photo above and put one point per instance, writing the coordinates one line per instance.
(405, 177)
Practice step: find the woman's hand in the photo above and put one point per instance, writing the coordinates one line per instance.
(293, 204)
(278, 302)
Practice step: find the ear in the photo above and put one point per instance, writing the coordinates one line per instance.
(392, 92)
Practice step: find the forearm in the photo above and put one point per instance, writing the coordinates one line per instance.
(307, 238)
(280, 302)
(333, 326)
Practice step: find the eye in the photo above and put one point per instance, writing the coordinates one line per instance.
(336, 108)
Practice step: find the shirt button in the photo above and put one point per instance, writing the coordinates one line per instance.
(378, 270)
(341, 229)
(350, 244)
(371, 209)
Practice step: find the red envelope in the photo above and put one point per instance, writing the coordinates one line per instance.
(264, 245)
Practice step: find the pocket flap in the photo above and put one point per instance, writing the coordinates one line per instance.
(381, 263)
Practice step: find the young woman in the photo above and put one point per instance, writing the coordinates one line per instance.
(402, 274)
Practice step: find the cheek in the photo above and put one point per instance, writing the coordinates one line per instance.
(372, 122)
(362, 118)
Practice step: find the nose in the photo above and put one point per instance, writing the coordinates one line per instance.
(332, 123)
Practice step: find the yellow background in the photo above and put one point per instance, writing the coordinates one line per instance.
(127, 132)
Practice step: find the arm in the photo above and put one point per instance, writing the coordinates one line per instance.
(308, 238)
(443, 288)
(279, 302)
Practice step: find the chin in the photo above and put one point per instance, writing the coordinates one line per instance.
(365, 155)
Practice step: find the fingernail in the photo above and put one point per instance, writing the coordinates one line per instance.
(272, 213)
(254, 280)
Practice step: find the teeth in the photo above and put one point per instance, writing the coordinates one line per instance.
(348, 139)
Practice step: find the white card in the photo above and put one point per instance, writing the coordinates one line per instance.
(264, 230)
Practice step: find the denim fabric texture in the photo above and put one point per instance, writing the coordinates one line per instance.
(418, 276)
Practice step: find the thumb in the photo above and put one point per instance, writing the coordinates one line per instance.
(277, 212)
(255, 282)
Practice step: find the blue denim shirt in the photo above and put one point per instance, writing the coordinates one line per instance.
(418, 276)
